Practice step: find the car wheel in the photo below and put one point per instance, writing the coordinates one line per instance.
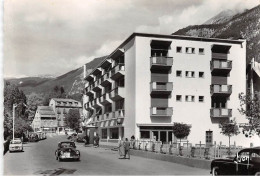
(215, 171)
(10, 151)
(257, 174)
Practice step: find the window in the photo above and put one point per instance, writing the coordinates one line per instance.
(145, 134)
(178, 97)
(201, 98)
(190, 74)
(201, 50)
(190, 50)
(104, 133)
(114, 133)
(201, 74)
(178, 73)
(209, 137)
(179, 49)
(189, 98)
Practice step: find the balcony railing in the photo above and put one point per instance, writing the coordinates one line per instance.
(161, 63)
(219, 55)
(221, 67)
(161, 87)
(220, 112)
(119, 113)
(117, 71)
(221, 89)
(105, 79)
(161, 111)
(117, 93)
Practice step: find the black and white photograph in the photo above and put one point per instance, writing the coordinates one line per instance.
(130, 88)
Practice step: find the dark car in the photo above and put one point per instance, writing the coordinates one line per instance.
(67, 150)
(246, 162)
(33, 137)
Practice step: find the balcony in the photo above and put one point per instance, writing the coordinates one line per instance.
(164, 88)
(105, 79)
(220, 67)
(89, 91)
(104, 99)
(159, 64)
(108, 116)
(96, 85)
(220, 90)
(220, 113)
(117, 71)
(161, 111)
(120, 113)
(117, 93)
(88, 106)
(95, 103)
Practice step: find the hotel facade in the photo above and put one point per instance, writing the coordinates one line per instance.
(151, 81)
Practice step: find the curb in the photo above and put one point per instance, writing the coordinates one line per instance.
(192, 162)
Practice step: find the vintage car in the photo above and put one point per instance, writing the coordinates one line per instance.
(67, 150)
(33, 137)
(246, 162)
(16, 145)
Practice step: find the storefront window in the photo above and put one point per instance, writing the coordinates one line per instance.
(104, 133)
(145, 134)
(114, 133)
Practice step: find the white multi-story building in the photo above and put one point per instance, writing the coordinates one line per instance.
(61, 108)
(151, 81)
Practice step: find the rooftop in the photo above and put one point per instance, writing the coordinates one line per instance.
(180, 37)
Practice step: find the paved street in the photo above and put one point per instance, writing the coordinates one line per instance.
(39, 159)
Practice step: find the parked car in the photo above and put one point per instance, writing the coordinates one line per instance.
(16, 145)
(81, 138)
(33, 137)
(67, 150)
(73, 137)
(69, 132)
(246, 162)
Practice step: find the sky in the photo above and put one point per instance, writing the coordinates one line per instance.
(52, 37)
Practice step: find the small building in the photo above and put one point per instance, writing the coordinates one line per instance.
(61, 108)
(45, 120)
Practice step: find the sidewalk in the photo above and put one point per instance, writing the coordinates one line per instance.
(192, 162)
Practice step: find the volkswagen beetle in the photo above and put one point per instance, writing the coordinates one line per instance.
(67, 150)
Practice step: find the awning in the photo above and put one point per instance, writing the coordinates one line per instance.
(160, 44)
(217, 48)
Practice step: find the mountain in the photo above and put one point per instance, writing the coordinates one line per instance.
(72, 81)
(244, 25)
(222, 17)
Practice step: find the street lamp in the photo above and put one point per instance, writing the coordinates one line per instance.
(14, 106)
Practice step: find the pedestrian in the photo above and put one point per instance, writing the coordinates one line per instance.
(133, 141)
(121, 148)
(127, 148)
(86, 140)
(97, 140)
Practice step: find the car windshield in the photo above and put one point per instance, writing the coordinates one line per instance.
(67, 145)
(15, 142)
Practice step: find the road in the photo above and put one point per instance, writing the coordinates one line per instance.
(39, 159)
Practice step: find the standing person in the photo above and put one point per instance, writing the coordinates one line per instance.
(133, 141)
(121, 148)
(127, 148)
(86, 140)
(97, 140)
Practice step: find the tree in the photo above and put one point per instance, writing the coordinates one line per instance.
(33, 100)
(250, 107)
(181, 130)
(229, 129)
(72, 119)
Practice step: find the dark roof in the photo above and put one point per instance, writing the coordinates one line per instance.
(46, 110)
